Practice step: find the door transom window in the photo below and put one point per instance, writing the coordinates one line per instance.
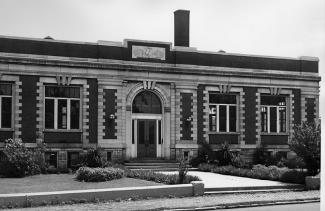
(146, 102)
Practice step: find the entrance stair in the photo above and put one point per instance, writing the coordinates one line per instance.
(152, 164)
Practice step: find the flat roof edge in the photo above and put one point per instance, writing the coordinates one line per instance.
(175, 48)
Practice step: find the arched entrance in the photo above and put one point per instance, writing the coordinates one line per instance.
(147, 124)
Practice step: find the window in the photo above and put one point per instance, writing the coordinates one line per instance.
(73, 159)
(62, 107)
(51, 159)
(109, 156)
(282, 154)
(146, 102)
(222, 112)
(186, 155)
(5, 105)
(273, 114)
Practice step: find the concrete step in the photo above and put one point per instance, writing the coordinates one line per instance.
(151, 167)
(154, 169)
(151, 161)
(151, 164)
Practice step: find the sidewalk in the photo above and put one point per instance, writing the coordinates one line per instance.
(188, 202)
(213, 180)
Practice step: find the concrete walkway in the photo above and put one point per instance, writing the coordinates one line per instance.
(213, 180)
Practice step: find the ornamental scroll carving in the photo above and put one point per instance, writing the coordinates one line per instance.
(148, 52)
(63, 79)
(275, 90)
(224, 88)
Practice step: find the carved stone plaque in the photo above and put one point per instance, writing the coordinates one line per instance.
(148, 52)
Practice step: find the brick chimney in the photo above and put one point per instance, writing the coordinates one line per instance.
(182, 28)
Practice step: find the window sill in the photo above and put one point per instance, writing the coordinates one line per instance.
(226, 133)
(63, 130)
(7, 129)
(275, 134)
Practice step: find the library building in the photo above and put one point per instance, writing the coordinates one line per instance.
(140, 99)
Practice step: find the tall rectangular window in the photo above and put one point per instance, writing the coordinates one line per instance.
(273, 114)
(5, 105)
(62, 107)
(223, 112)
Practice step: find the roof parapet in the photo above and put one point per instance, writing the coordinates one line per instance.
(309, 58)
(185, 49)
(110, 43)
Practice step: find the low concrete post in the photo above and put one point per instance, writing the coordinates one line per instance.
(313, 182)
(198, 188)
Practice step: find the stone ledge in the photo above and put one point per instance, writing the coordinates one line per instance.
(57, 197)
(313, 182)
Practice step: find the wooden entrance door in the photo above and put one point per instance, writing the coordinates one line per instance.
(147, 138)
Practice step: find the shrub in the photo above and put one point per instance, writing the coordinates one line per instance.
(263, 157)
(260, 172)
(230, 170)
(306, 144)
(98, 174)
(293, 176)
(169, 179)
(182, 171)
(224, 155)
(205, 154)
(295, 163)
(19, 161)
(206, 167)
(93, 158)
(239, 162)
(114, 164)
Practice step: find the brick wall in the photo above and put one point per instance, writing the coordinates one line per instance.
(250, 115)
(93, 110)
(310, 109)
(185, 113)
(29, 95)
(110, 107)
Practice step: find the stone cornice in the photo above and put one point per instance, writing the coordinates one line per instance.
(22, 59)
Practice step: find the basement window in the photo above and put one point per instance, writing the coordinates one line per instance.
(51, 159)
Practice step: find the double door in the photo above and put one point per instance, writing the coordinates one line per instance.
(148, 135)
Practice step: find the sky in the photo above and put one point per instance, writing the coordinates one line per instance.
(289, 28)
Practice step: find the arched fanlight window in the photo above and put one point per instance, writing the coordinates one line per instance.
(146, 102)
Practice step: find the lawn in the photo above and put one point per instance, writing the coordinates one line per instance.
(59, 182)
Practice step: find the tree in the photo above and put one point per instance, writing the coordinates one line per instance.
(306, 144)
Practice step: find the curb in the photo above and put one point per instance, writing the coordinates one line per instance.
(251, 191)
(18, 200)
(248, 204)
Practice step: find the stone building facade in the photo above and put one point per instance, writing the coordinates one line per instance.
(145, 99)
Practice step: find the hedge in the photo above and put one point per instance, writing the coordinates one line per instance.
(169, 179)
(98, 174)
(258, 172)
